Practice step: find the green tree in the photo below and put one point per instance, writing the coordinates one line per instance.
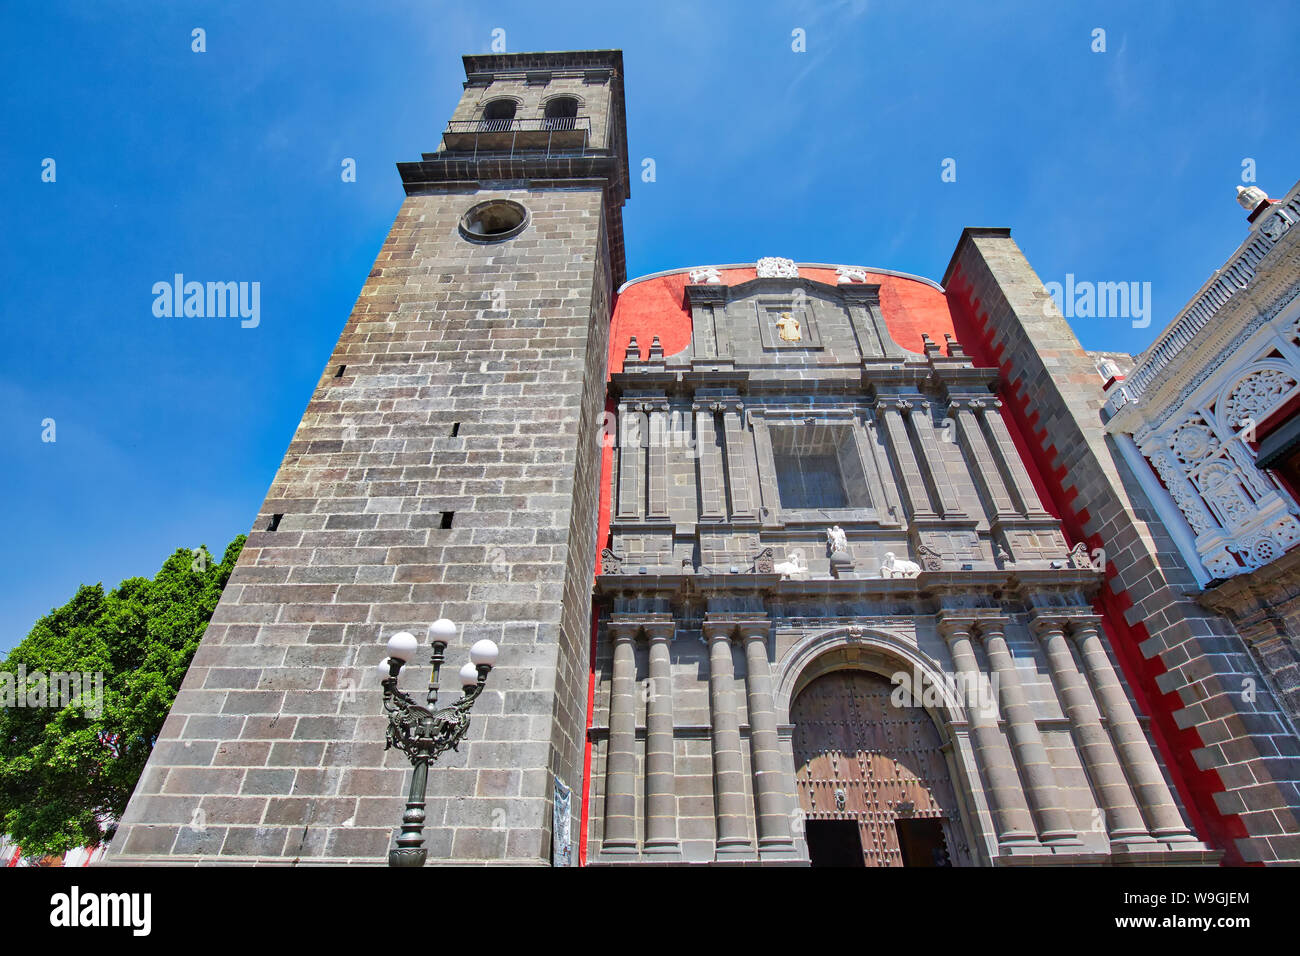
(64, 773)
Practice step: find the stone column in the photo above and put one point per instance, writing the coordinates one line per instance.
(863, 304)
(1163, 818)
(1005, 447)
(1011, 817)
(1041, 786)
(632, 427)
(770, 791)
(985, 469)
(704, 345)
(620, 766)
(741, 469)
(769, 499)
(728, 767)
(713, 492)
(912, 484)
(932, 449)
(1123, 821)
(660, 775)
(657, 455)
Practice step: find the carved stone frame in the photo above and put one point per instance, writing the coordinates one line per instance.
(774, 515)
(766, 304)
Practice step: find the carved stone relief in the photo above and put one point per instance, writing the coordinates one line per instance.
(773, 267)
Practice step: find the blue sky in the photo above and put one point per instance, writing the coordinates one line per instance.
(224, 165)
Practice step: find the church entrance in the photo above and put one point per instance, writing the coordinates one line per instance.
(872, 777)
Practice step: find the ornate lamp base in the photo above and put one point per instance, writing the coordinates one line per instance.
(407, 856)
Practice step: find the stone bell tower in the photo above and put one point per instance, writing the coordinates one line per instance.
(447, 465)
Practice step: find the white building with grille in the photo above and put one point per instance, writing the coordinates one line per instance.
(1208, 419)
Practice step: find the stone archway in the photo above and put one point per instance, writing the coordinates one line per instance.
(872, 777)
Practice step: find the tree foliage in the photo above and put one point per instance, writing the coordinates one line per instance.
(66, 772)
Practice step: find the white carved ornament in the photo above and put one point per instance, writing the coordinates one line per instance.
(1190, 503)
(1231, 506)
(1267, 545)
(848, 276)
(708, 276)
(1255, 394)
(1221, 487)
(1278, 222)
(893, 567)
(796, 567)
(1193, 442)
(772, 267)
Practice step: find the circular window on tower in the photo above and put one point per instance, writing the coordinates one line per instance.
(493, 220)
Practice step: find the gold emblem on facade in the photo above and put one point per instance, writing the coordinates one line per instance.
(789, 328)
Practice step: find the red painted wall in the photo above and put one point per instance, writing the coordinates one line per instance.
(658, 307)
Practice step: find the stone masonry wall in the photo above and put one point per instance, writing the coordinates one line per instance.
(274, 750)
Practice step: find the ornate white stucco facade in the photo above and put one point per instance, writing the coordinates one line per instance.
(1227, 363)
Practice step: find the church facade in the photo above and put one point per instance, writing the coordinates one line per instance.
(789, 562)
(835, 621)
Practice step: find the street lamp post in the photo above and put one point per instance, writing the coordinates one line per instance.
(422, 733)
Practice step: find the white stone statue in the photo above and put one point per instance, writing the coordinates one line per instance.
(794, 568)
(1108, 369)
(1250, 196)
(774, 267)
(893, 567)
(837, 541)
(708, 276)
(848, 275)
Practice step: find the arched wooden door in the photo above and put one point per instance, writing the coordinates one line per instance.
(872, 778)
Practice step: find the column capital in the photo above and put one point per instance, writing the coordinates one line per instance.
(623, 631)
(736, 627)
(633, 625)
(992, 626)
(953, 627)
(1044, 624)
(660, 630)
(718, 630)
(1083, 625)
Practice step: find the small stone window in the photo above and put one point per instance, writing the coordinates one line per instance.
(561, 113)
(493, 220)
